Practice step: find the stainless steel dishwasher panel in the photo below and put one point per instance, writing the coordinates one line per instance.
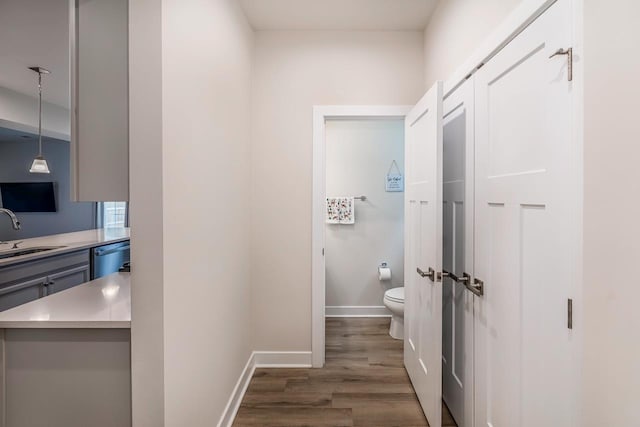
(108, 259)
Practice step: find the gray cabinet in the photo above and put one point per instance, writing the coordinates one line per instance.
(99, 100)
(27, 281)
(22, 292)
(68, 278)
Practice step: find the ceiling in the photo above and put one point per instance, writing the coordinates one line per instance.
(35, 33)
(398, 15)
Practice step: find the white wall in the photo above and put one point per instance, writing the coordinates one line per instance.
(611, 214)
(358, 156)
(456, 28)
(195, 214)
(293, 71)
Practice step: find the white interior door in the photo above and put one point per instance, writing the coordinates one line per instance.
(423, 252)
(457, 254)
(526, 197)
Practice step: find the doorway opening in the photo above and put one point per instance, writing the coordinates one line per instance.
(348, 294)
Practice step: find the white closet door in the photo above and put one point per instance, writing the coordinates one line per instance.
(525, 200)
(457, 255)
(423, 252)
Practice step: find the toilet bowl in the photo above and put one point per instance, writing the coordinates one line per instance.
(394, 301)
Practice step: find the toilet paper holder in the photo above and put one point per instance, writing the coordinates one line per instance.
(384, 272)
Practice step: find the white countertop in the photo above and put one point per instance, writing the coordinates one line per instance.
(69, 241)
(100, 303)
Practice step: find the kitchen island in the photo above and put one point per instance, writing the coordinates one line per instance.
(65, 358)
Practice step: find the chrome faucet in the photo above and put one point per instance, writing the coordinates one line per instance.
(14, 220)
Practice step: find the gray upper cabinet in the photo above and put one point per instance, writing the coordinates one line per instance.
(99, 100)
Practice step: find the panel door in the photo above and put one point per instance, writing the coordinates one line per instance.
(423, 252)
(526, 197)
(68, 279)
(457, 255)
(22, 292)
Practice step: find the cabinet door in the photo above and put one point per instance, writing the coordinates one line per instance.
(22, 292)
(67, 279)
(99, 100)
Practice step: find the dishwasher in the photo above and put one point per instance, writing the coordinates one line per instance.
(108, 259)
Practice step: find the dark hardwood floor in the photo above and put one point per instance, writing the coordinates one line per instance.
(363, 383)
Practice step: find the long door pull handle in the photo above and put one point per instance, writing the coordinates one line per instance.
(431, 274)
(569, 53)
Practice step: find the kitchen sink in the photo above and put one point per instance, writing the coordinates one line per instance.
(27, 251)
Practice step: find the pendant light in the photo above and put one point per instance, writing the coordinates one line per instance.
(39, 164)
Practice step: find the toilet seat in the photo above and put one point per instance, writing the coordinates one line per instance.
(395, 295)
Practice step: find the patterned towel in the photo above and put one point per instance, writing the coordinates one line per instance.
(340, 210)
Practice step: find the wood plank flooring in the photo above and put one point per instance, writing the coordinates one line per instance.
(363, 383)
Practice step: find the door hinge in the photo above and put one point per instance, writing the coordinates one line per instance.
(570, 313)
(322, 251)
(569, 53)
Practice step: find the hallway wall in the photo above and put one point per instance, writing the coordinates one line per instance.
(293, 71)
(611, 212)
(190, 66)
(456, 28)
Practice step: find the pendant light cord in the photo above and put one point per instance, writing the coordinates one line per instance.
(40, 114)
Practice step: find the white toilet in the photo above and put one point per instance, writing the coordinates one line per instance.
(394, 301)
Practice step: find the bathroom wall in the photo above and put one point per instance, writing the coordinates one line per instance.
(293, 71)
(16, 155)
(456, 28)
(358, 156)
(190, 68)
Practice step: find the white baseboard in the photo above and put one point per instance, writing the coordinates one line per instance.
(282, 359)
(237, 394)
(260, 359)
(356, 311)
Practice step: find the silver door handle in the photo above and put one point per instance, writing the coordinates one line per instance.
(463, 280)
(431, 274)
(569, 53)
(477, 287)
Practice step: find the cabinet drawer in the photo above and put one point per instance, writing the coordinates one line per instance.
(42, 267)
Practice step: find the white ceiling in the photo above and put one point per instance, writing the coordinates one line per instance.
(400, 15)
(35, 33)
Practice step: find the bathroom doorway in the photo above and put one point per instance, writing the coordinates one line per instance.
(364, 226)
(326, 121)
(366, 212)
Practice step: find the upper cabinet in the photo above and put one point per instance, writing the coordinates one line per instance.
(99, 100)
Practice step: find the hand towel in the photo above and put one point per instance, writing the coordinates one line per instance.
(333, 210)
(347, 211)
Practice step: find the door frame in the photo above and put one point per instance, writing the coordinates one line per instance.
(322, 113)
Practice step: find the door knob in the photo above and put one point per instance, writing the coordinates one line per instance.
(431, 274)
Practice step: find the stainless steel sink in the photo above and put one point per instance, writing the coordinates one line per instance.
(27, 251)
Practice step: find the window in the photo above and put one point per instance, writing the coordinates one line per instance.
(113, 214)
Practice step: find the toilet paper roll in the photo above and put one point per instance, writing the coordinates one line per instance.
(384, 273)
